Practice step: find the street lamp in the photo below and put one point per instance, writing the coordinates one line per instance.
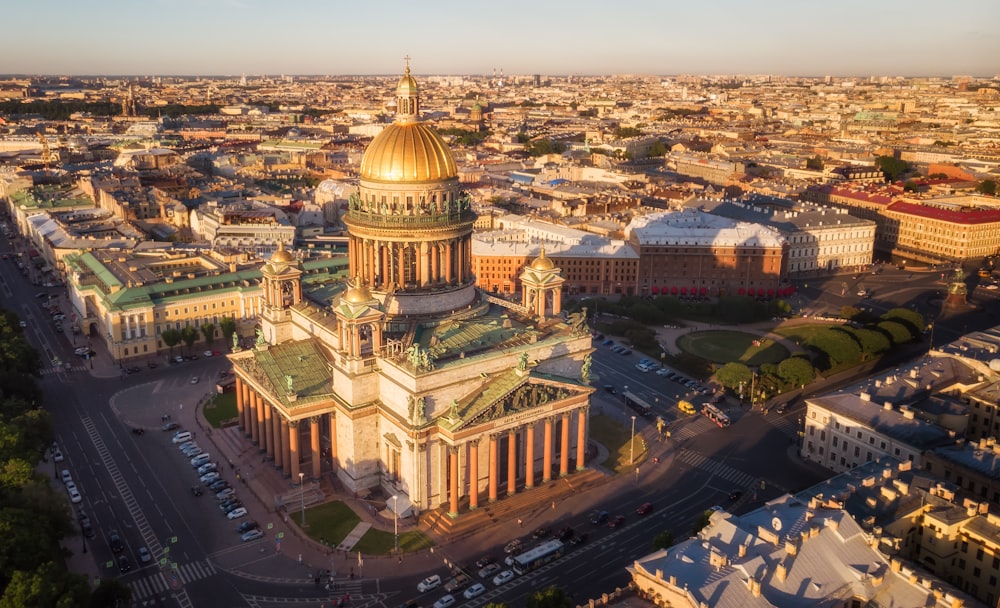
(631, 444)
(395, 521)
(302, 495)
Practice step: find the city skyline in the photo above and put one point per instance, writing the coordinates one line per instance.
(309, 37)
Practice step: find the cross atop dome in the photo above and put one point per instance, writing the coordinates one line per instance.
(407, 96)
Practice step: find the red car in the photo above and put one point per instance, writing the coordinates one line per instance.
(616, 521)
(644, 509)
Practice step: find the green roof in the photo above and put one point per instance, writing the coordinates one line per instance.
(302, 363)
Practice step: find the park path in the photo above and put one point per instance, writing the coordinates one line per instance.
(668, 336)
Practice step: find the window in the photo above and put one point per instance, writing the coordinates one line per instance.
(979, 555)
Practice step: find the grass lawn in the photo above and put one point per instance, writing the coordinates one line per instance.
(382, 542)
(615, 437)
(328, 523)
(724, 346)
(220, 409)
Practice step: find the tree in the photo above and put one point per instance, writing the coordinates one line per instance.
(170, 337)
(912, 319)
(815, 163)
(208, 330)
(48, 586)
(796, 371)
(190, 335)
(892, 168)
(658, 149)
(663, 540)
(550, 597)
(849, 312)
(110, 593)
(228, 325)
(732, 374)
(987, 186)
(897, 332)
(837, 345)
(873, 343)
(701, 521)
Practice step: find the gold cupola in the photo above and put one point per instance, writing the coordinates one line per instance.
(408, 150)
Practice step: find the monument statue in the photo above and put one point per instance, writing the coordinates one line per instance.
(288, 382)
(522, 362)
(421, 411)
(236, 342)
(585, 369)
(453, 414)
(260, 337)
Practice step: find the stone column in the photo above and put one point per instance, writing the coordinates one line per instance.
(240, 387)
(279, 440)
(547, 453)
(564, 448)
(494, 474)
(314, 445)
(286, 460)
(453, 481)
(447, 261)
(268, 433)
(401, 260)
(473, 474)
(529, 457)
(512, 462)
(581, 438)
(333, 439)
(384, 257)
(435, 252)
(424, 265)
(261, 433)
(293, 449)
(252, 422)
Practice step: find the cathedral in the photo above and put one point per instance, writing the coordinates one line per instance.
(408, 381)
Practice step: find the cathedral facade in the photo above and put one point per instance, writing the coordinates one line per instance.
(409, 381)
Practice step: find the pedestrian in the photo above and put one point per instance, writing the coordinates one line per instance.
(553, 505)
(520, 522)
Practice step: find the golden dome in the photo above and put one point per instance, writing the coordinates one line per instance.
(407, 84)
(542, 262)
(358, 293)
(282, 255)
(408, 152)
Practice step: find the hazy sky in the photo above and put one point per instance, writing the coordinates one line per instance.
(208, 37)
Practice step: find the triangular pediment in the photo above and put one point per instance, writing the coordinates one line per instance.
(512, 393)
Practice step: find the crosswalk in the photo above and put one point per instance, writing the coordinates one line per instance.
(160, 582)
(692, 428)
(60, 370)
(716, 468)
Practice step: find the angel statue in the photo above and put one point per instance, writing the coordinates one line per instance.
(522, 362)
(585, 369)
(288, 382)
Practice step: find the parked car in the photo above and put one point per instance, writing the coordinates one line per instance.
(144, 556)
(208, 467)
(218, 485)
(513, 546)
(504, 577)
(208, 478)
(247, 526)
(253, 534)
(237, 513)
(485, 560)
(489, 570)
(66, 477)
(540, 533)
(445, 602)
(431, 582)
(456, 583)
(474, 591)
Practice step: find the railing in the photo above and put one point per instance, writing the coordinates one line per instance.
(378, 219)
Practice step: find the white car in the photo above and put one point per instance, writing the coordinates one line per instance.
(445, 602)
(74, 494)
(66, 477)
(208, 478)
(237, 513)
(474, 591)
(194, 380)
(57, 455)
(504, 577)
(431, 582)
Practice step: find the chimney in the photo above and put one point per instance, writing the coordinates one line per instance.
(895, 565)
(754, 587)
(781, 572)
(887, 405)
(673, 579)
(813, 531)
(741, 551)
(956, 602)
(791, 548)
(833, 524)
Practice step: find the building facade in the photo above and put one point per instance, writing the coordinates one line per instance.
(414, 384)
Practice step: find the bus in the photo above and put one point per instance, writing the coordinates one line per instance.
(538, 556)
(715, 415)
(637, 404)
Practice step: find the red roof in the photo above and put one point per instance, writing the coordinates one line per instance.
(965, 215)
